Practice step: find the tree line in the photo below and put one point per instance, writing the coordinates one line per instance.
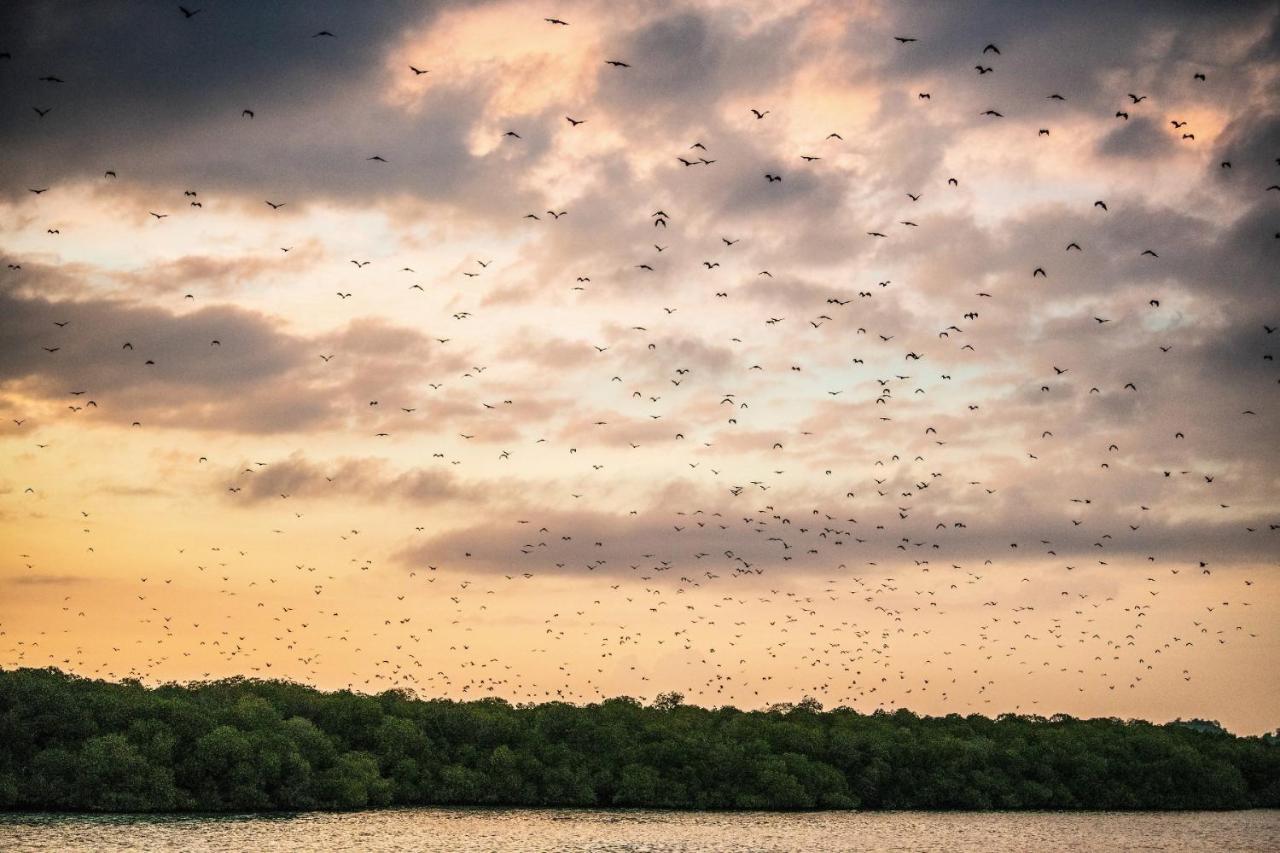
(69, 743)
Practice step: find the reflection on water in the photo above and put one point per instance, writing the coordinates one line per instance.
(557, 830)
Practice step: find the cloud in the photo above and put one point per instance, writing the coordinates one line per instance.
(1014, 530)
(184, 75)
(211, 275)
(369, 479)
(215, 368)
(878, 410)
(1139, 138)
(49, 580)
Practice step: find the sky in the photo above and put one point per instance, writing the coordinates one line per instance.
(894, 354)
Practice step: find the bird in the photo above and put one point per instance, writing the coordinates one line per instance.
(867, 562)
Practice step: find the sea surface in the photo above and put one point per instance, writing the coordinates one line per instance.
(558, 830)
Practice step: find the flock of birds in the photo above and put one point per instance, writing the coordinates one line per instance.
(795, 567)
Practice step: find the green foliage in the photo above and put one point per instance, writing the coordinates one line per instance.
(235, 745)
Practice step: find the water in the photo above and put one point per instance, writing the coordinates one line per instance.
(656, 831)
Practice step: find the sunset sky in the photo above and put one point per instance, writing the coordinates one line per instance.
(970, 406)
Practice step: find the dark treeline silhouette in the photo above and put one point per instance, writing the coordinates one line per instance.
(73, 743)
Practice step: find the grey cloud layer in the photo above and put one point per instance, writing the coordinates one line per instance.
(139, 363)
